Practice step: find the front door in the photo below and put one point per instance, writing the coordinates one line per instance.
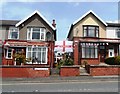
(102, 56)
(111, 52)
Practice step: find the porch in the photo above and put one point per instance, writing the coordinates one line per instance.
(95, 53)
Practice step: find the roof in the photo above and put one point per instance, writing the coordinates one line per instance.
(113, 24)
(8, 22)
(35, 12)
(75, 22)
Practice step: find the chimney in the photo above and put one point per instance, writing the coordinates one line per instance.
(54, 24)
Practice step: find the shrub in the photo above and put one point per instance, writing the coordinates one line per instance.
(20, 58)
(68, 61)
(110, 61)
(113, 60)
(117, 60)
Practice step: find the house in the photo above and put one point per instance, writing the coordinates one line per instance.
(93, 39)
(32, 36)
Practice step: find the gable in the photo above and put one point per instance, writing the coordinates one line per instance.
(88, 13)
(90, 18)
(31, 15)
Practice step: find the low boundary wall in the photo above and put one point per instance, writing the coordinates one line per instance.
(25, 71)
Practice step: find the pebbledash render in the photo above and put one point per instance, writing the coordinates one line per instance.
(93, 39)
(34, 36)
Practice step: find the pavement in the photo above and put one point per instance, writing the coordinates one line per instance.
(54, 79)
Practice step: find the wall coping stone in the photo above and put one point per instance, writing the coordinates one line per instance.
(99, 66)
(70, 66)
(25, 66)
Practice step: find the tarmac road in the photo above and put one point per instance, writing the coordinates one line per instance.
(71, 86)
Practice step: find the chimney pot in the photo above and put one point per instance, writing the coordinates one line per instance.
(54, 24)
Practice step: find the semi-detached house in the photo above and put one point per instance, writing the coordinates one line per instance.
(93, 39)
(33, 36)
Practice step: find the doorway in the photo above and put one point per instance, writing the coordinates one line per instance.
(102, 56)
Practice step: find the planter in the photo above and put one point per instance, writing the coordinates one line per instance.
(69, 71)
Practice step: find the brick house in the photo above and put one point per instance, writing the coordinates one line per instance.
(93, 39)
(33, 36)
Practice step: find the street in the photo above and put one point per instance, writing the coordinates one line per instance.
(91, 86)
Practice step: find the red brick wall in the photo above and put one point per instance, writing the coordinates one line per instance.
(91, 61)
(76, 51)
(24, 72)
(7, 61)
(69, 71)
(104, 71)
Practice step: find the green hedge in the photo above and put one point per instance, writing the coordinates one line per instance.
(113, 60)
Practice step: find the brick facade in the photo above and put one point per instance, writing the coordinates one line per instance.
(103, 70)
(25, 72)
(69, 71)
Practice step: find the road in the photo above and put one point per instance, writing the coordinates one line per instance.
(94, 86)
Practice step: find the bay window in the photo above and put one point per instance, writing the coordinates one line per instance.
(38, 54)
(13, 33)
(90, 31)
(89, 51)
(36, 33)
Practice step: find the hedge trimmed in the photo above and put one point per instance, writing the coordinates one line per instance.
(113, 60)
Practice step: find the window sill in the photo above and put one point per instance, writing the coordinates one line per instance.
(89, 58)
(12, 39)
(8, 58)
(90, 37)
(35, 63)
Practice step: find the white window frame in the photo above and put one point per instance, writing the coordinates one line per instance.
(9, 34)
(7, 54)
(117, 30)
(31, 32)
(37, 53)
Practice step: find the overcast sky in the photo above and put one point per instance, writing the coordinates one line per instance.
(65, 13)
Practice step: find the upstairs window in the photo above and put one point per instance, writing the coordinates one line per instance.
(13, 33)
(36, 33)
(90, 31)
(118, 32)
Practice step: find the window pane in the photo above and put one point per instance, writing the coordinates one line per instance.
(36, 29)
(87, 52)
(9, 54)
(36, 35)
(43, 57)
(42, 36)
(85, 33)
(83, 52)
(96, 33)
(29, 55)
(14, 35)
(92, 52)
(39, 57)
(91, 31)
(9, 50)
(96, 52)
(118, 34)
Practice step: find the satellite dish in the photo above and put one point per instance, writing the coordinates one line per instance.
(49, 36)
